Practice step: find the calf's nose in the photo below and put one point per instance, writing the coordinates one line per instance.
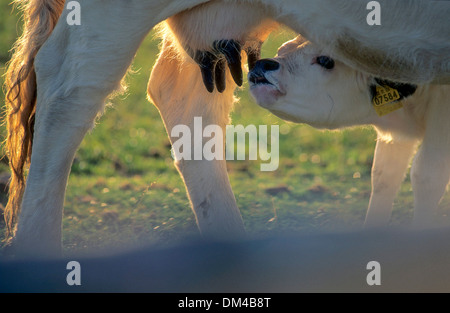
(266, 65)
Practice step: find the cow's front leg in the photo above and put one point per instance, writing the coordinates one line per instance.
(177, 90)
(430, 172)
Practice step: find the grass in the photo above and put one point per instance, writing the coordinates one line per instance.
(125, 190)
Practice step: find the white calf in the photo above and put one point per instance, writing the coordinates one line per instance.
(304, 84)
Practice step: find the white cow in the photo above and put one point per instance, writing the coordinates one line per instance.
(304, 84)
(76, 67)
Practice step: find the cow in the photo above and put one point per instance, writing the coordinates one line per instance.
(77, 67)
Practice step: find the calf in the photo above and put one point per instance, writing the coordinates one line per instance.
(304, 84)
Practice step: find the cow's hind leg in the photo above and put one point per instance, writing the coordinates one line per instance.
(76, 69)
(177, 90)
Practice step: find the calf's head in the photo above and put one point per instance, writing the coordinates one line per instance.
(304, 84)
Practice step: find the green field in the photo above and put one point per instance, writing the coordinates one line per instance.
(124, 189)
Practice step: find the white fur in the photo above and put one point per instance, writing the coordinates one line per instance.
(79, 66)
(302, 91)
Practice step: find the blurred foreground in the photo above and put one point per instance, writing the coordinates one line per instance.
(334, 262)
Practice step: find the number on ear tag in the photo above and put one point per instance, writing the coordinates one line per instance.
(385, 100)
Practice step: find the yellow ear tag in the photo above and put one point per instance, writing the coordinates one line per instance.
(385, 100)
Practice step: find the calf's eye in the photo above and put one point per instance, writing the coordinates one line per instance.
(325, 62)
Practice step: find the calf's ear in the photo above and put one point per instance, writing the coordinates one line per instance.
(404, 90)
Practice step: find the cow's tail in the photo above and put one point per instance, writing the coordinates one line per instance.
(40, 18)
